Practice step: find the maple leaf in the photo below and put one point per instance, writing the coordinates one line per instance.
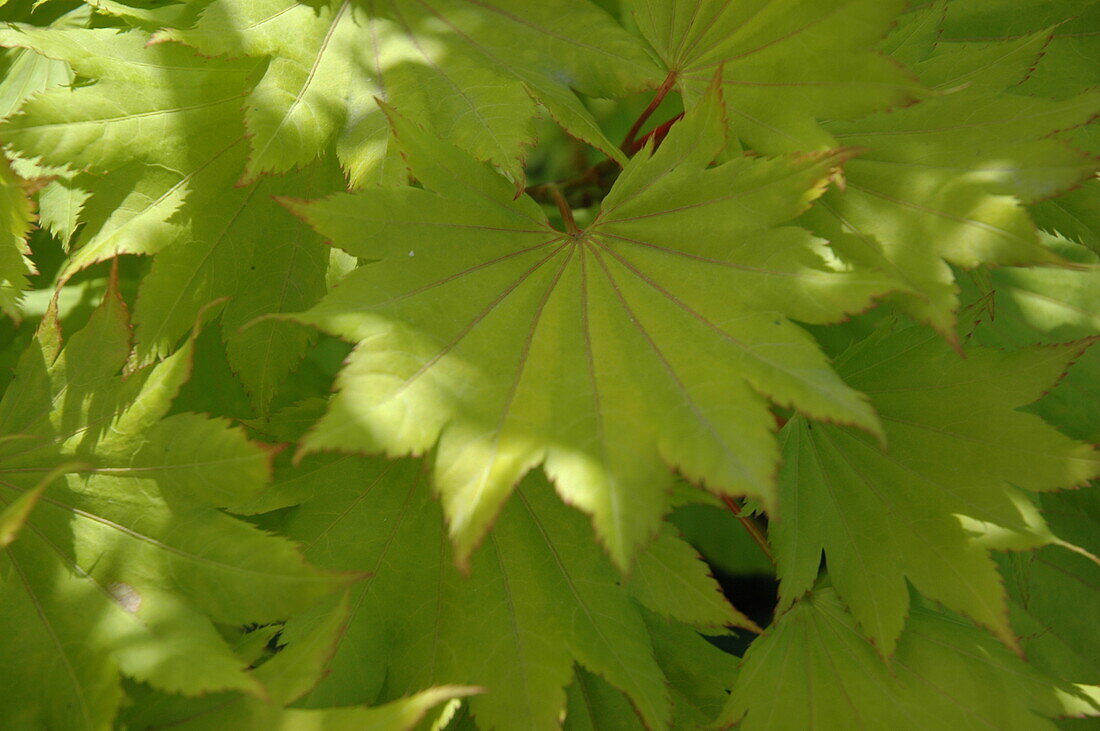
(16, 215)
(286, 677)
(125, 562)
(1075, 215)
(945, 675)
(948, 488)
(161, 104)
(242, 245)
(945, 181)
(540, 576)
(213, 240)
(699, 675)
(514, 343)
(156, 118)
(776, 92)
(1053, 593)
(1071, 60)
(468, 70)
(1051, 305)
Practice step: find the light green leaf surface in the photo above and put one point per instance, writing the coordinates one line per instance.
(239, 243)
(16, 216)
(1048, 305)
(214, 240)
(699, 675)
(786, 64)
(158, 104)
(946, 674)
(125, 563)
(670, 579)
(1054, 593)
(945, 181)
(948, 487)
(468, 70)
(539, 596)
(511, 343)
(286, 677)
(1075, 215)
(27, 73)
(1070, 62)
(163, 121)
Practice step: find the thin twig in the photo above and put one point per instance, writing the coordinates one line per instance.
(657, 134)
(751, 526)
(564, 209)
(662, 91)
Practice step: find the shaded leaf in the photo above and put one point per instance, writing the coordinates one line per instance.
(945, 674)
(949, 485)
(512, 343)
(126, 563)
(777, 94)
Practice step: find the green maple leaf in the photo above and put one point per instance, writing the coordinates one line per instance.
(239, 244)
(27, 73)
(213, 239)
(1054, 594)
(945, 181)
(16, 216)
(125, 563)
(1071, 60)
(1052, 305)
(158, 104)
(539, 596)
(1075, 214)
(786, 64)
(286, 677)
(654, 338)
(946, 674)
(948, 487)
(468, 70)
(157, 118)
(699, 675)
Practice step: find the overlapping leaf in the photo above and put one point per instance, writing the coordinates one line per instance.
(242, 245)
(945, 674)
(162, 105)
(125, 563)
(286, 677)
(700, 677)
(16, 214)
(651, 339)
(1054, 594)
(176, 197)
(944, 181)
(538, 598)
(1052, 305)
(947, 488)
(466, 70)
(1071, 61)
(786, 63)
(159, 119)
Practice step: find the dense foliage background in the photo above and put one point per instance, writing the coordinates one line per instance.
(384, 363)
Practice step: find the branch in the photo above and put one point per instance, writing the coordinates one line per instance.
(563, 208)
(751, 526)
(666, 86)
(657, 134)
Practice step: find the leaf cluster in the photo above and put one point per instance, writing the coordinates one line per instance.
(419, 363)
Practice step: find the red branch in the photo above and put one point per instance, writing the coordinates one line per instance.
(662, 91)
(657, 134)
(751, 526)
